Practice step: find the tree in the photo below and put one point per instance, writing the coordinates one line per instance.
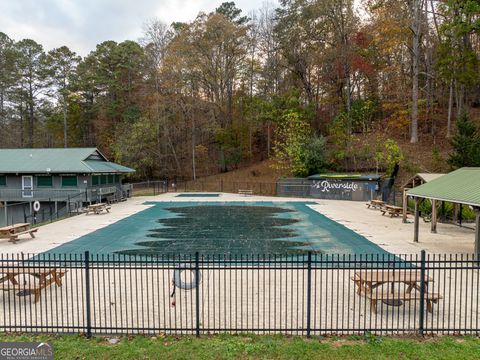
(417, 6)
(292, 135)
(457, 58)
(315, 155)
(465, 144)
(230, 10)
(61, 66)
(7, 76)
(32, 83)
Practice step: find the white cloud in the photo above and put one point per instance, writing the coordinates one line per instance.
(81, 24)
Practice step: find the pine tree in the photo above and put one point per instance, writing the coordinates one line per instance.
(465, 144)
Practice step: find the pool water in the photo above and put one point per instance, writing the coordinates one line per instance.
(223, 228)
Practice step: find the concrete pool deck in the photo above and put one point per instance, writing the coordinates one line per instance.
(389, 233)
(139, 300)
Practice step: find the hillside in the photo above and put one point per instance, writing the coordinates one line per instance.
(426, 156)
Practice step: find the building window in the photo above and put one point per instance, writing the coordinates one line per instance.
(117, 179)
(3, 180)
(103, 179)
(44, 181)
(95, 180)
(69, 181)
(111, 179)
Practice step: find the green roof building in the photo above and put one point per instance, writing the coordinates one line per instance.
(62, 177)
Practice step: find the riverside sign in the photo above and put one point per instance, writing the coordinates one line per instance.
(355, 187)
(329, 185)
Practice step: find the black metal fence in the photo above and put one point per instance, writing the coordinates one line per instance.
(149, 188)
(50, 210)
(257, 188)
(309, 294)
(281, 188)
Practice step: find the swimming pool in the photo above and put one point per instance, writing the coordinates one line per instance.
(223, 228)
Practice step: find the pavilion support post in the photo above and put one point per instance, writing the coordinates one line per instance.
(455, 213)
(417, 218)
(444, 216)
(434, 217)
(477, 233)
(405, 206)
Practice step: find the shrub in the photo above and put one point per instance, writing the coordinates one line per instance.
(314, 155)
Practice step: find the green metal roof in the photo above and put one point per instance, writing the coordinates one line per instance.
(359, 177)
(460, 186)
(58, 160)
(106, 166)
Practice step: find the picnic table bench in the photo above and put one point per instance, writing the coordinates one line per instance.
(97, 208)
(12, 232)
(368, 281)
(392, 210)
(245, 192)
(42, 277)
(376, 204)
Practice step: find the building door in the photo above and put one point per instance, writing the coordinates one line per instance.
(27, 186)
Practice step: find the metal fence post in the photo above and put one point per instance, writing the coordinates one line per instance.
(197, 295)
(421, 317)
(88, 329)
(309, 292)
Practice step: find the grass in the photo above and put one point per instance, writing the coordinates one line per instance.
(256, 347)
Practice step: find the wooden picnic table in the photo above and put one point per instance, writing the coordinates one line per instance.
(392, 210)
(245, 192)
(376, 204)
(98, 208)
(367, 282)
(43, 277)
(12, 232)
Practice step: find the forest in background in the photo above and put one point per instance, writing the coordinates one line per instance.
(313, 85)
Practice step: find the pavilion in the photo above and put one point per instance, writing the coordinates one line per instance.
(461, 186)
(417, 180)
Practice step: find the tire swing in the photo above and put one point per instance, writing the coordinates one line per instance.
(184, 285)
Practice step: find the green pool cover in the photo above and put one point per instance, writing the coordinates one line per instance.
(223, 228)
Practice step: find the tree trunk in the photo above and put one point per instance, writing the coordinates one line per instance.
(193, 146)
(415, 70)
(30, 117)
(65, 140)
(450, 105)
(269, 139)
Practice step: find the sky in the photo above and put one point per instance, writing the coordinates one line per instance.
(82, 24)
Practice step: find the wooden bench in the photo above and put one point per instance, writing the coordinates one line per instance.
(245, 192)
(12, 232)
(375, 296)
(42, 278)
(97, 208)
(14, 237)
(392, 210)
(368, 282)
(376, 204)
